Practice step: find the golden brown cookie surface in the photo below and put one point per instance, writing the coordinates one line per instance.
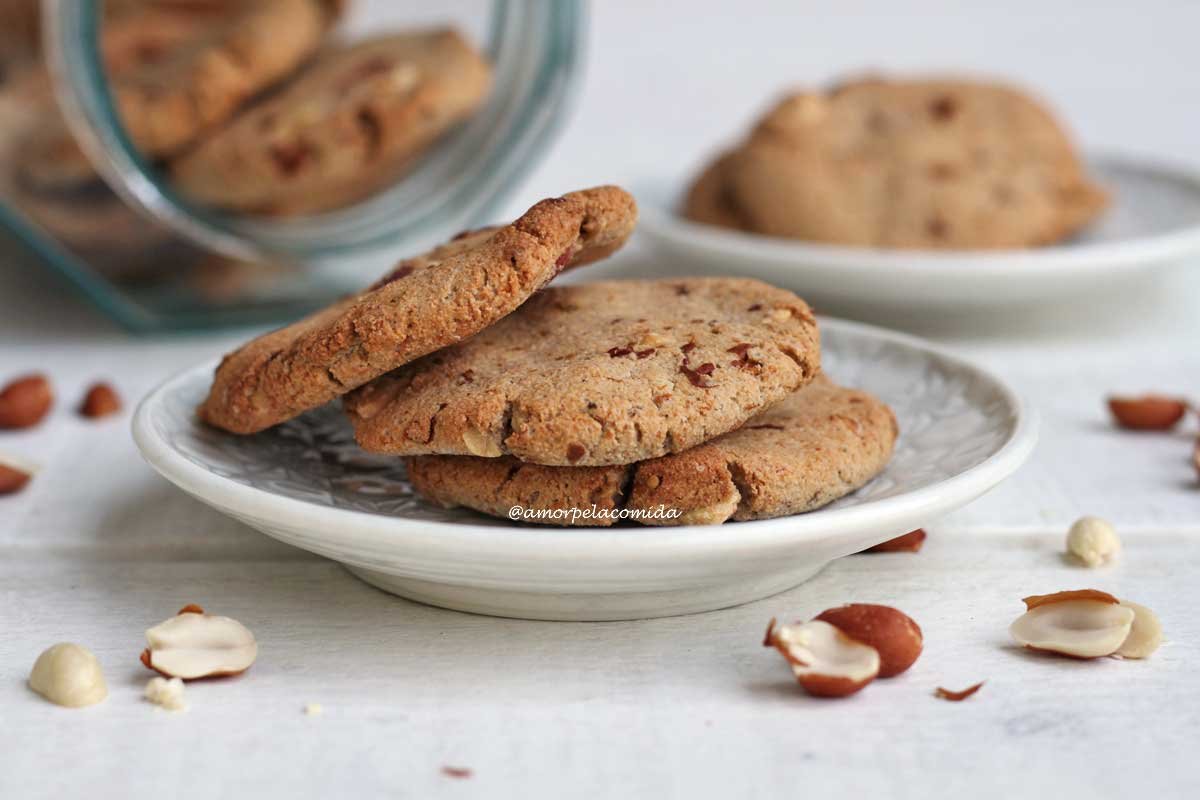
(598, 374)
(348, 126)
(820, 444)
(928, 164)
(424, 304)
(178, 69)
(167, 104)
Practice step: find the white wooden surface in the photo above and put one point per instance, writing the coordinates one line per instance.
(98, 547)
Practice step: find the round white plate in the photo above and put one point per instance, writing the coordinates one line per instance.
(1153, 222)
(307, 484)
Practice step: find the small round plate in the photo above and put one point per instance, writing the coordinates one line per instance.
(306, 483)
(1153, 222)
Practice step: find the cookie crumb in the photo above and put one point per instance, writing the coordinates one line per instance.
(457, 772)
(313, 710)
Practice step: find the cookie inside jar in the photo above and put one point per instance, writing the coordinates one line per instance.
(168, 148)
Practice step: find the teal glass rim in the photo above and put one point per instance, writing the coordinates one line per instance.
(536, 50)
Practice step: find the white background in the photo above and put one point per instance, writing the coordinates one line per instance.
(99, 548)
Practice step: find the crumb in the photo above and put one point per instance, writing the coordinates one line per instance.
(947, 694)
(313, 710)
(166, 693)
(457, 772)
(910, 542)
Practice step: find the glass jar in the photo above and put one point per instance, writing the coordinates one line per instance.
(214, 267)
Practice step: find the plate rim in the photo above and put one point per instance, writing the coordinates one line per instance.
(1126, 255)
(343, 528)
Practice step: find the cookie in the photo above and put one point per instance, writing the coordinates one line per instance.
(175, 69)
(350, 125)
(20, 30)
(51, 159)
(932, 164)
(709, 200)
(819, 444)
(165, 106)
(424, 304)
(598, 374)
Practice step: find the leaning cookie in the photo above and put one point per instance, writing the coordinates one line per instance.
(424, 304)
(597, 374)
(820, 444)
(348, 126)
(929, 164)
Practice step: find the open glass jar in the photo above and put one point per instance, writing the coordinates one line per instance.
(152, 256)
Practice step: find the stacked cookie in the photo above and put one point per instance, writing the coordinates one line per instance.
(698, 398)
(929, 164)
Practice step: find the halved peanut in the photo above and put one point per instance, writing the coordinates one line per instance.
(193, 644)
(1084, 624)
(1145, 635)
(825, 661)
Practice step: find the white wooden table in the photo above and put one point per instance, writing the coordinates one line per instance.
(98, 548)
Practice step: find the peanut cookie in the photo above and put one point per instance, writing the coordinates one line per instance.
(176, 68)
(167, 105)
(347, 127)
(819, 444)
(131, 39)
(20, 30)
(933, 164)
(709, 199)
(597, 374)
(424, 304)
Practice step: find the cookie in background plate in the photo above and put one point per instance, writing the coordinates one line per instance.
(598, 374)
(348, 126)
(916, 164)
(424, 304)
(819, 444)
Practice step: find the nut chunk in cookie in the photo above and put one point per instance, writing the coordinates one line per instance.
(347, 127)
(820, 444)
(426, 303)
(924, 164)
(599, 374)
